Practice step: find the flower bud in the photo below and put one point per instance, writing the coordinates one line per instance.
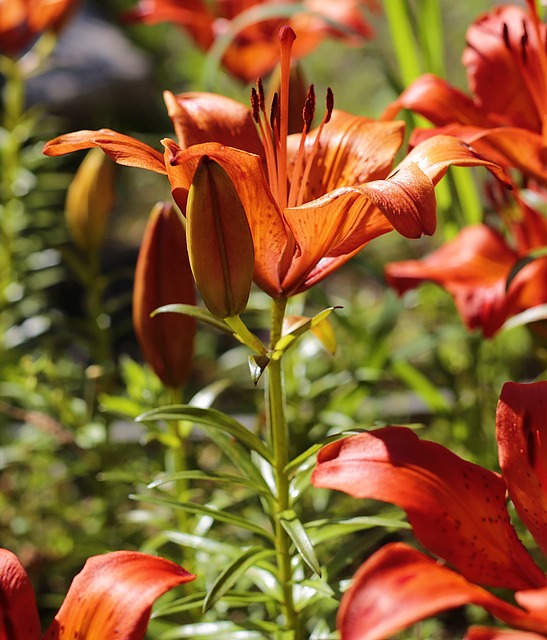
(90, 200)
(163, 276)
(220, 244)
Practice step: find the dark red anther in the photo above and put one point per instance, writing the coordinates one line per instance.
(330, 104)
(506, 40)
(274, 111)
(255, 105)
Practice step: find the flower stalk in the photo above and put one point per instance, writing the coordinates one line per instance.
(279, 442)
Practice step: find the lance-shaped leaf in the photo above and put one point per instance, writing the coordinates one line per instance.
(220, 244)
(163, 277)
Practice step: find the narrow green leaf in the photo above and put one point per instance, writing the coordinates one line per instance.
(297, 533)
(327, 529)
(199, 509)
(225, 478)
(196, 312)
(209, 418)
(230, 574)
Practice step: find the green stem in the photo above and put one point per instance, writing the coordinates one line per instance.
(279, 438)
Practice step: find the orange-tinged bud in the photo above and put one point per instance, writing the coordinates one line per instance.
(220, 244)
(163, 276)
(90, 200)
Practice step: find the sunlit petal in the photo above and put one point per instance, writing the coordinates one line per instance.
(398, 586)
(457, 509)
(18, 614)
(208, 117)
(521, 431)
(436, 154)
(121, 148)
(112, 596)
(437, 101)
(353, 149)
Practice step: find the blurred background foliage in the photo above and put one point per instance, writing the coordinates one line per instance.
(71, 374)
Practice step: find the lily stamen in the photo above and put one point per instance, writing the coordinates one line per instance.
(315, 148)
(308, 113)
(258, 110)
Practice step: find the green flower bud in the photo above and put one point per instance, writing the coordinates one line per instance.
(220, 244)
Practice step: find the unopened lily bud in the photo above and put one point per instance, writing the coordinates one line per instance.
(90, 200)
(220, 244)
(163, 276)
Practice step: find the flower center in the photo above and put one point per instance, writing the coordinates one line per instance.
(288, 191)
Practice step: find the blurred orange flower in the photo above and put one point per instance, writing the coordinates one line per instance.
(23, 21)
(253, 24)
(475, 268)
(506, 115)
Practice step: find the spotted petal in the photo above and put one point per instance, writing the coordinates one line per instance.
(521, 431)
(457, 509)
(398, 586)
(18, 613)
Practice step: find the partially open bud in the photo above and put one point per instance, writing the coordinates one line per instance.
(163, 276)
(220, 244)
(90, 200)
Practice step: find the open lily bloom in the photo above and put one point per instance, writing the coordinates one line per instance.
(505, 117)
(313, 200)
(458, 512)
(110, 598)
(251, 51)
(475, 268)
(22, 21)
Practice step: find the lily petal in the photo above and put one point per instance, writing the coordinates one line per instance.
(521, 432)
(112, 596)
(503, 71)
(353, 149)
(473, 267)
(18, 613)
(121, 148)
(457, 509)
(208, 117)
(436, 154)
(398, 586)
(437, 101)
(332, 229)
(488, 633)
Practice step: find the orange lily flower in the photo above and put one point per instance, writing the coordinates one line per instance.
(458, 512)
(475, 268)
(252, 51)
(111, 597)
(23, 21)
(313, 200)
(506, 116)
